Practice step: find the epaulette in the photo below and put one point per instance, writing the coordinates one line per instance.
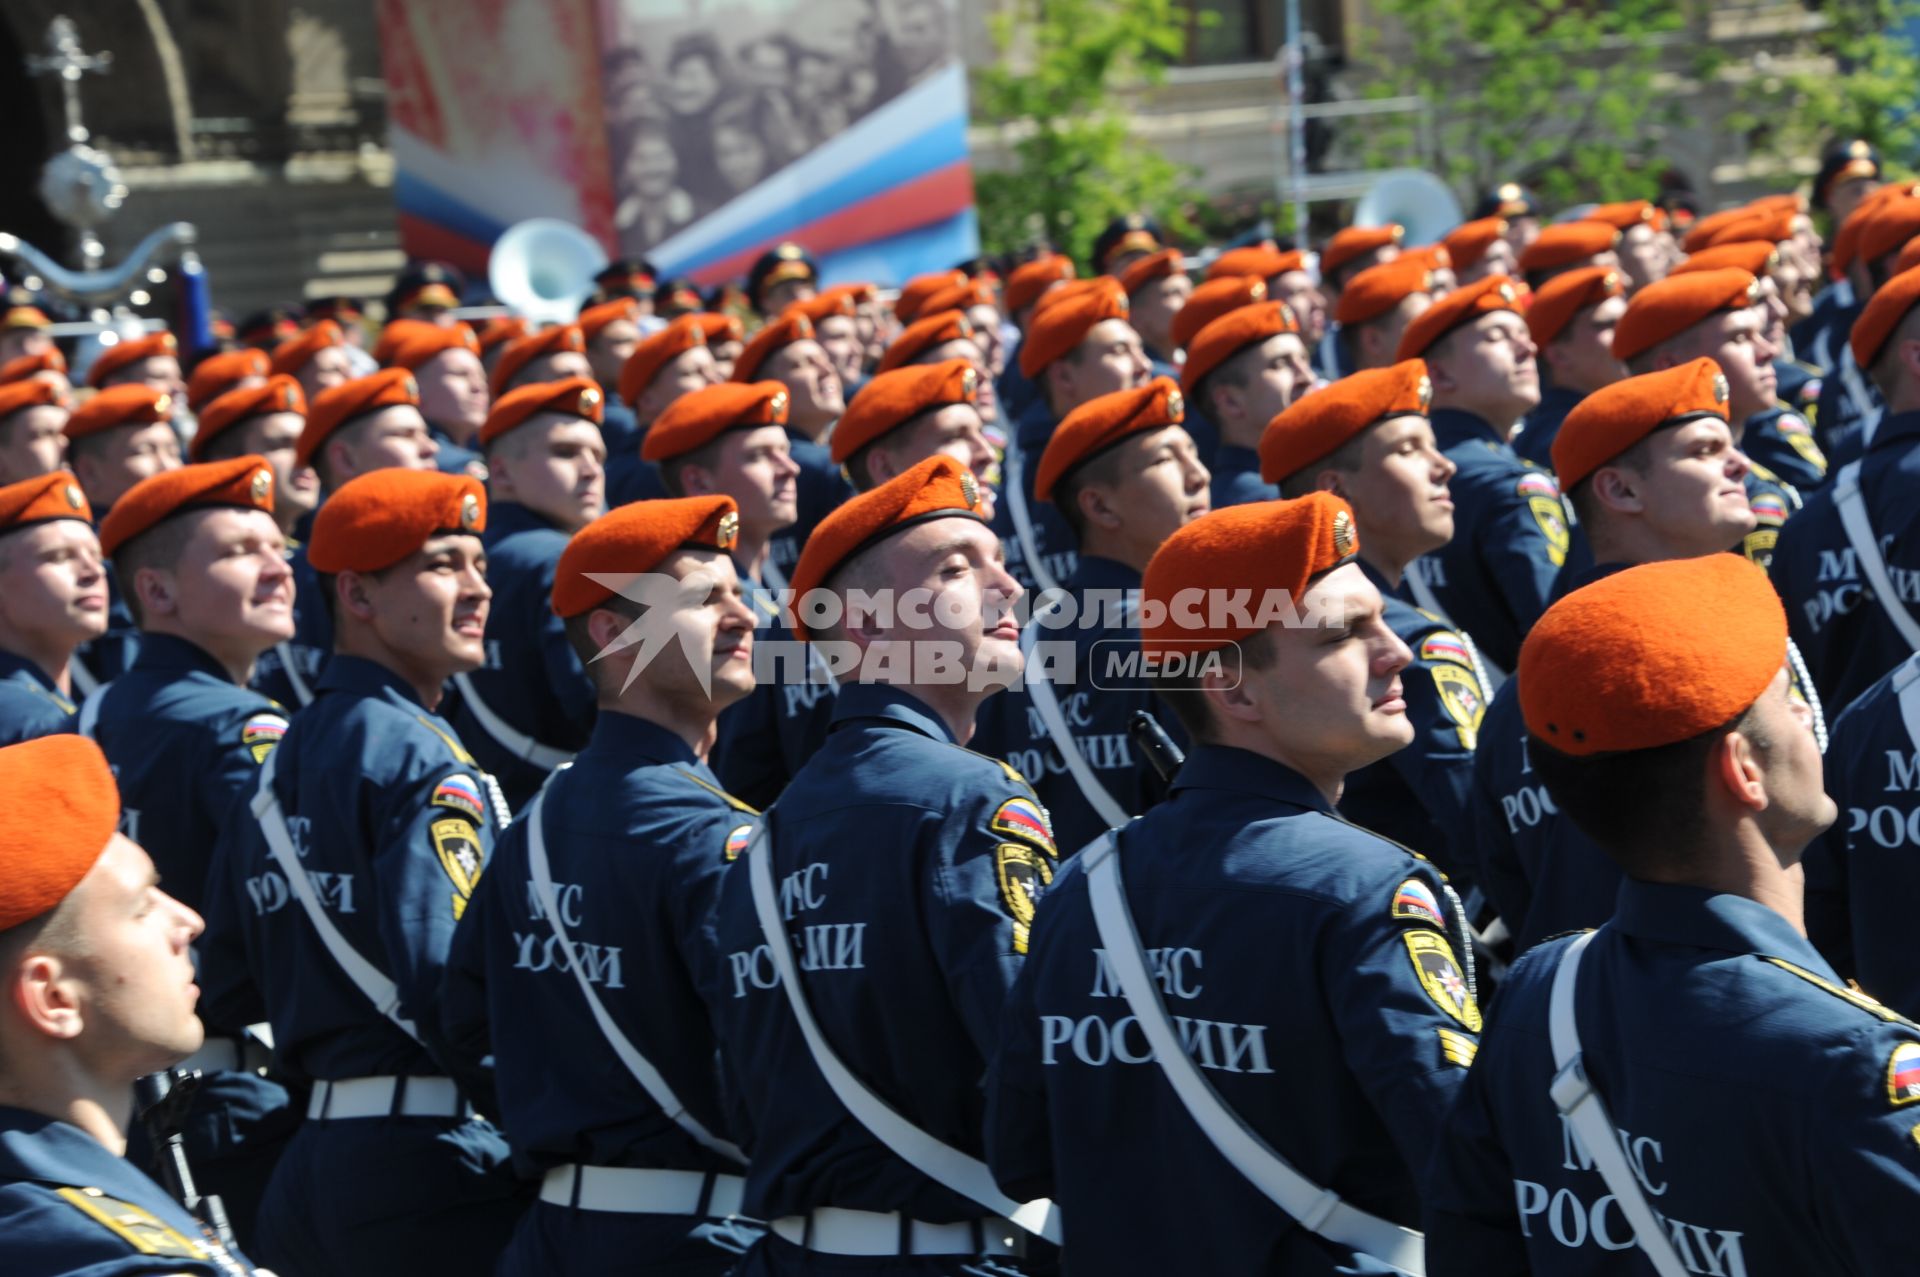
(719, 793)
(1871, 1005)
(460, 753)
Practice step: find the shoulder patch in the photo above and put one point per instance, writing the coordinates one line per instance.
(1809, 450)
(1536, 483)
(138, 1228)
(261, 733)
(1903, 1074)
(459, 852)
(1866, 1002)
(1025, 819)
(1414, 901)
(1551, 517)
(1768, 507)
(737, 839)
(1446, 645)
(1024, 875)
(1439, 973)
(1791, 423)
(1458, 1047)
(1463, 699)
(461, 793)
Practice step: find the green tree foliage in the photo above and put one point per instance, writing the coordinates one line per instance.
(1054, 91)
(1557, 94)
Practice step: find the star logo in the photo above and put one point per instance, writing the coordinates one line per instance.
(667, 617)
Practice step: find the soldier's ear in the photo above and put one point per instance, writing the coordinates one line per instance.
(1615, 489)
(696, 481)
(1735, 774)
(351, 597)
(1330, 481)
(42, 991)
(154, 588)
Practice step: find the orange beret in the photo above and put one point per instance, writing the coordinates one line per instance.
(1614, 418)
(280, 393)
(1668, 307)
(1463, 305)
(548, 341)
(1431, 256)
(1701, 233)
(937, 488)
(26, 366)
(571, 396)
(975, 292)
(1233, 332)
(1469, 241)
(1058, 327)
(1754, 256)
(137, 404)
(1906, 260)
(656, 351)
(698, 418)
(1884, 313)
(1566, 295)
(1792, 203)
(839, 300)
(293, 354)
(1652, 656)
(896, 397)
(1355, 241)
(635, 539)
(924, 334)
(790, 327)
(217, 374)
(1772, 225)
(1317, 425)
(244, 483)
(503, 328)
(63, 806)
(381, 517)
(595, 318)
(17, 396)
(1267, 545)
(1255, 260)
(1211, 300)
(41, 499)
(1102, 422)
(1030, 279)
(415, 342)
(1565, 243)
(1627, 214)
(1144, 270)
(1378, 289)
(392, 335)
(1846, 242)
(1888, 228)
(719, 327)
(124, 353)
(335, 406)
(915, 293)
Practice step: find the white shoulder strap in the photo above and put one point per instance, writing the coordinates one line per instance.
(369, 979)
(1014, 491)
(1855, 386)
(505, 734)
(1583, 1106)
(83, 680)
(1319, 1210)
(1047, 702)
(90, 709)
(637, 1064)
(1852, 505)
(938, 1161)
(1906, 684)
(301, 691)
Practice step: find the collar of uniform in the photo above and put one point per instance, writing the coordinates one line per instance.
(1231, 458)
(45, 1150)
(171, 652)
(1095, 573)
(1034, 427)
(1895, 427)
(628, 736)
(1567, 582)
(11, 664)
(1454, 426)
(1702, 919)
(363, 677)
(1556, 402)
(894, 704)
(1242, 771)
(505, 518)
(1387, 592)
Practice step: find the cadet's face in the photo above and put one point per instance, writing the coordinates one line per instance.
(1736, 340)
(724, 353)
(1399, 495)
(1155, 305)
(986, 335)
(31, 443)
(609, 350)
(134, 977)
(1582, 356)
(162, 372)
(839, 336)
(296, 488)
(1693, 494)
(329, 367)
(393, 437)
(1392, 325)
(1643, 257)
(558, 366)
(955, 431)
(683, 374)
(557, 469)
(1794, 285)
(1331, 702)
(756, 468)
(1798, 808)
(1499, 259)
(232, 585)
(132, 453)
(21, 342)
(430, 609)
(1487, 367)
(966, 348)
(814, 386)
(1110, 358)
(961, 566)
(1282, 374)
(53, 589)
(1159, 486)
(1297, 289)
(715, 627)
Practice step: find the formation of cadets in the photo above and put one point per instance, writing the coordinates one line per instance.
(1045, 771)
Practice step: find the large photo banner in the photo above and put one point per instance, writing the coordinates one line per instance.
(696, 133)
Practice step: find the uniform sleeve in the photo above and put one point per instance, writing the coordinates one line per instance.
(464, 1020)
(228, 995)
(1828, 913)
(992, 861)
(705, 846)
(1472, 1227)
(1862, 1142)
(436, 838)
(232, 767)
(1018, 1135)
(1446, 705)
(1495, 858)
(1408, 1023)
(1524, 542)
